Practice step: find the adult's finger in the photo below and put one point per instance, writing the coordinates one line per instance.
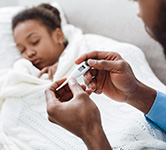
(108, 65)
(88, 76)
(100, 78)
(52, 119)
(51, 97)
(88, 91)
(74, 86)
(98, 55)
(50, 73)
(44, 70)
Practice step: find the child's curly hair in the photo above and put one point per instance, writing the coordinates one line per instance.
(46, 14)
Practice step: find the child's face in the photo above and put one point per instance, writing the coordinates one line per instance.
(37, 45)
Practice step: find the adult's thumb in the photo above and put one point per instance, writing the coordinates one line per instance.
(74, 86)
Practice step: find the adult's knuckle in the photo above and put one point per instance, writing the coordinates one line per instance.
(51, 110)
(49, 118)
(115, 53)
(95, 51)
(82, 95)
(123, 64)
(46, 91)
(114, 56)
(102, 62)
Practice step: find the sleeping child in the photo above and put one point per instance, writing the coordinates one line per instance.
(39, 38)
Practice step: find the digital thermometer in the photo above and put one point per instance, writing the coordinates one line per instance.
(77, 72)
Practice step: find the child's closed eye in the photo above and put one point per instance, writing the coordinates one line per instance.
(22, 51)
(35, 42)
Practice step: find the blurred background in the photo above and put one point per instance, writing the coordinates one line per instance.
(4, 3)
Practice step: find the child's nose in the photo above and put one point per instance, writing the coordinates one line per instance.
(31, 53)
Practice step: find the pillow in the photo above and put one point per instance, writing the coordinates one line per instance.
(62, 15)
(8, 51)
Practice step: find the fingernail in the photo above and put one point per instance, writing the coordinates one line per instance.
(92, 62)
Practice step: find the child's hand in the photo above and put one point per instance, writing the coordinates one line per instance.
(50, 70)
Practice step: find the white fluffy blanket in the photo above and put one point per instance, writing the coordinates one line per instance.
(23, 117)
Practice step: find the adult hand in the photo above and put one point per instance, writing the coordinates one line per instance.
(50, 70)
(71, 108)
(110, 74)
(113, 76)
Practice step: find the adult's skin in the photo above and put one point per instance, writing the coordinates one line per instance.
(79, 114)
(114, 77)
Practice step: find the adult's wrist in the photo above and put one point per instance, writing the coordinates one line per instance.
(96, 139)
(142, 98)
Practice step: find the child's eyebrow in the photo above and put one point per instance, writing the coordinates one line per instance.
(29, 35)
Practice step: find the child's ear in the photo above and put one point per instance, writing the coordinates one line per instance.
(58, 35)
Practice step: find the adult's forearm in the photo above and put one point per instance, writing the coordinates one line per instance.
(143, 98)
(96, 140)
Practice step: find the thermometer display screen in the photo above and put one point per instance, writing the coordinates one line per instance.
(81, 68)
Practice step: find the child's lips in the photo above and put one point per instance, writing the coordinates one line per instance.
(36, 61)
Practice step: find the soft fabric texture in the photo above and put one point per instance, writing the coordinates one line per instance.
(24, 124)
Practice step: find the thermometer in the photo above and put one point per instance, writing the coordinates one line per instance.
(77, 72)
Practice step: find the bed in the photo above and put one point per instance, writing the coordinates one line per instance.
(23, 117)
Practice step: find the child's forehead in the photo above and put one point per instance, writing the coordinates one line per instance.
(29, 26)
(35, 23)
(42, 23)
